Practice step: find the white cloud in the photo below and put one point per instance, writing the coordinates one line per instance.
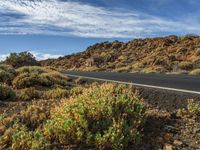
(3, 56)
(43, 56)
(56, 17)
(37, 55)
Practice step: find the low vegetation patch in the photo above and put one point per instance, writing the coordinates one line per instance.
(104, 117)
(34, 82)
(195, 72)
(7, 74)
(185, 65)
(21, 59)
(194, 107)
(6, 93)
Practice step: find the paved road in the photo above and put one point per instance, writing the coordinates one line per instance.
(179, 83)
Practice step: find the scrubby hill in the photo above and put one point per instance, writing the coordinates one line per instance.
(165, 54)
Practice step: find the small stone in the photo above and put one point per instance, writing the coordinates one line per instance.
(160, 140)
(168, 136)
(178, 143)
(168, 147)
(170, 129)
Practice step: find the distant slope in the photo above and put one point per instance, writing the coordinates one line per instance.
(165, 54)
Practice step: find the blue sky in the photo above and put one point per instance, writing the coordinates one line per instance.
(52, 28)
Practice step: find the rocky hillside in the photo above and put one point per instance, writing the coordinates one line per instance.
(164, 54)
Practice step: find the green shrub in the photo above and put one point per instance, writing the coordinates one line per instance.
(123, 69)
(31, 69)
(5, 77)
(148, 70)
(26, 80)
(193, 107)
(18, 137)
(80, 81)
(21, 59)
(185, 65)
(197, 52)
(195, 72)
(55, 78)
(6, 93)
(76, 91)
(105, 117)
(39, 76)
(7, 68)
(7, 74)
(35, 115)
(29, 94)
(56, 93)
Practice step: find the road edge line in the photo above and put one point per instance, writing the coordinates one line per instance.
(136, 84)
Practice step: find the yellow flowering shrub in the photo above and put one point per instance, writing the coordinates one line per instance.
(104, 116)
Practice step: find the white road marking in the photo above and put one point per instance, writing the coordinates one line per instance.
(136, 84)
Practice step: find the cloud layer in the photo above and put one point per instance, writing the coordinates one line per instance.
(55, 17)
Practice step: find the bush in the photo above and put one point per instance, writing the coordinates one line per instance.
(7, 68)
(5, 77)
(6, 74)
(195, 72)
(55, 78)
(32, 69)
(185, 65)
(35, 115)
(105, 117)
(123, 69)
(21, 59)
(80, 80)
(39, 76)
(6, 93)
(148, 70)
(193, 107)
(18, 137)
(197, 52)
(27, 80)
(56, 93)
(29, 94)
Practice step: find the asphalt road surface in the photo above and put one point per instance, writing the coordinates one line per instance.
(179, 83)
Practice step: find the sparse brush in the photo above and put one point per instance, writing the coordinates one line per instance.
(29, 94)
(6, 93)
(55, 78)
(148, 70)
(7, 68)
(18, 137)
(7, 74)
(80, 81)
(195, 72)
(57, 93)
(39, 76)
(34, 116)
(185, 65)
(197, 52)
(32, 69)
(5, 77)
(193, 107)
(123, 69)
(26, 80)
